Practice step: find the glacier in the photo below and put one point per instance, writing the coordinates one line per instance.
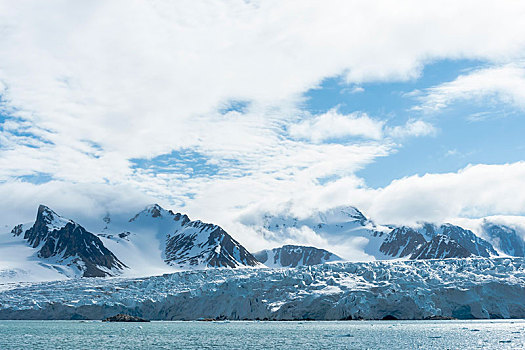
(417, 289)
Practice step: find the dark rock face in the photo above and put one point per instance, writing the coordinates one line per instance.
(197, 243)
(17, 230)
(466, 238)
(61, 239)
(506, 239)
(402, 242)
(435, 242)
(124, 318)
(441, 247)
(293, 256)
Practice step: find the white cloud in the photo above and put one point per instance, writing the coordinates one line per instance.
(505, 83)
(82, 202)
(414, 128)
(476, 225)
(475, 191)
(333, 125)
(100, 83)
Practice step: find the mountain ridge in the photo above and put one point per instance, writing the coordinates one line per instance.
(295, 255)
(156, 241)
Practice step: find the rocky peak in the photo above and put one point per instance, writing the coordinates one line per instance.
(65, 241)
(294, 255)
(47, 221)
(153, 211)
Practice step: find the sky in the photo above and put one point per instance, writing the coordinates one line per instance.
(408, 110)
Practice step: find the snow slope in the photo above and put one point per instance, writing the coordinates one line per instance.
(57, 244)
(462, 288)
(19, 263)
(346, 231)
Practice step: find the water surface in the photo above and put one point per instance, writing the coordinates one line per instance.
(493, 334)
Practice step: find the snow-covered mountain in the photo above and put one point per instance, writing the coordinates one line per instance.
(341, 227)
(157, 241)
(347, 228)
(152, 242)
(435, 242)
(466, 238)
(505, 239)
(163, 238)
(294, 255)
(416, 289)
(67, 247)
(506, 234)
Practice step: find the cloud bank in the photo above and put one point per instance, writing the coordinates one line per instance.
(109, 98)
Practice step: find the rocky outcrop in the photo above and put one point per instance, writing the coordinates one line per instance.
(124, 318)
(293, 256)
(402, 241)
(441, 247)
(467, 239)
(435, 242)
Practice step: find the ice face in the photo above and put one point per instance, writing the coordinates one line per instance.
(462, 288)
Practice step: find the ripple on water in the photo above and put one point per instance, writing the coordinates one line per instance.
(250, 335)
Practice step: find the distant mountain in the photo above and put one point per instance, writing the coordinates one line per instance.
(341, 226)
(164, 237)
(157, 241)
(63, 242)
(293, 256)
(435, 242)
(466, 238)
(505, 238)
(347, 226)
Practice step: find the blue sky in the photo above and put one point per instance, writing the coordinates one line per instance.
(410, 111)
(470, 132)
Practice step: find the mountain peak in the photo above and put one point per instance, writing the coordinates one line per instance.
(44, 212)
(47, 217)
(64, 242)
(154, 211)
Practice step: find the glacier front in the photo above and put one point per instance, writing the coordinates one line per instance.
(461, 288)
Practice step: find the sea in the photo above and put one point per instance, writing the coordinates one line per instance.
(307, 335)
